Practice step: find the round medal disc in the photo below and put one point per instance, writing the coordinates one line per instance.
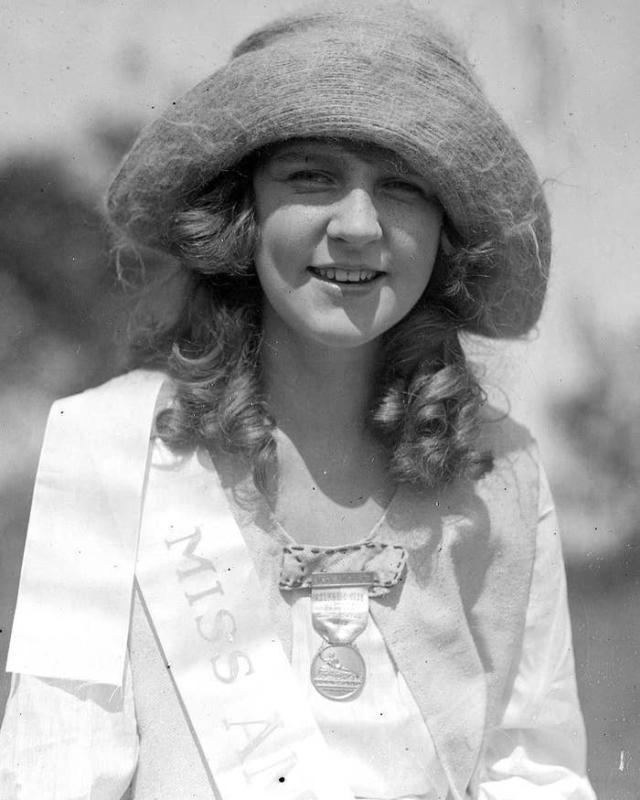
(338, 671)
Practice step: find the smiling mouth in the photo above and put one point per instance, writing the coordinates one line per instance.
(345, 276)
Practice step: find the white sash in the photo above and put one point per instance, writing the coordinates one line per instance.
(197, 579)
(201, 589)
(74, 603)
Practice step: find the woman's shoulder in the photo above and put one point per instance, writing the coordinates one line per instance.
(119, 411)
(512, 486)
(128, 384)
(505, 437)
(119, 400)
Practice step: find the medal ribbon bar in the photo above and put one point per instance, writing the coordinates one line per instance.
(331, 579)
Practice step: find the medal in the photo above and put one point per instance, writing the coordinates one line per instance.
(338, 671)
(339, 613)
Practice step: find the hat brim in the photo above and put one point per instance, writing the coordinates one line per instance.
(440, 124)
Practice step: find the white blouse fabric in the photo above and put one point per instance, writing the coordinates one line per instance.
(63, 740)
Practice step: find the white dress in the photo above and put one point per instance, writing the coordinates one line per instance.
(63, 740)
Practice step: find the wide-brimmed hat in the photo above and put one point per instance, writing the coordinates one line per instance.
(384, 74)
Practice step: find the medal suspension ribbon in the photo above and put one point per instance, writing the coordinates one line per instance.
(339, 613)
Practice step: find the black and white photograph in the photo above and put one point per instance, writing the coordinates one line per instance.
(320, 400)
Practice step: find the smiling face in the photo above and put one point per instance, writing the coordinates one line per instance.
(348, 240)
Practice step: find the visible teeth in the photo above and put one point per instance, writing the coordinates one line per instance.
(346, 276)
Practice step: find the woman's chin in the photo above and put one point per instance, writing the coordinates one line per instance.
(343, 337)
(321, 324)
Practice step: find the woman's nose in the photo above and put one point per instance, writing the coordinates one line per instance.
(355, 219)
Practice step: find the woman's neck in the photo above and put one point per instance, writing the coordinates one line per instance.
(332, 479)
(313, 387)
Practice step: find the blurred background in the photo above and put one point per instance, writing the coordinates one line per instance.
(80, 79)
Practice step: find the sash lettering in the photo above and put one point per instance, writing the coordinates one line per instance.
(197, 569)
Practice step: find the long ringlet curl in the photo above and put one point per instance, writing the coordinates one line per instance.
(212, 348)
(426, 409)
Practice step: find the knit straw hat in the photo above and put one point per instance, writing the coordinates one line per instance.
(385, 74)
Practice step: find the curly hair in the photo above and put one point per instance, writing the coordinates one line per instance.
(426, 410)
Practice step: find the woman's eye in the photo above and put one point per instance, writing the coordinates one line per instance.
(403, 188)
(309, 177)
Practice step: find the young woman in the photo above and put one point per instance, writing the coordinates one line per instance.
(335, 573)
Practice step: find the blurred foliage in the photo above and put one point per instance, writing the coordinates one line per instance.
(599, 427)
(56, 292)
(60, 309)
